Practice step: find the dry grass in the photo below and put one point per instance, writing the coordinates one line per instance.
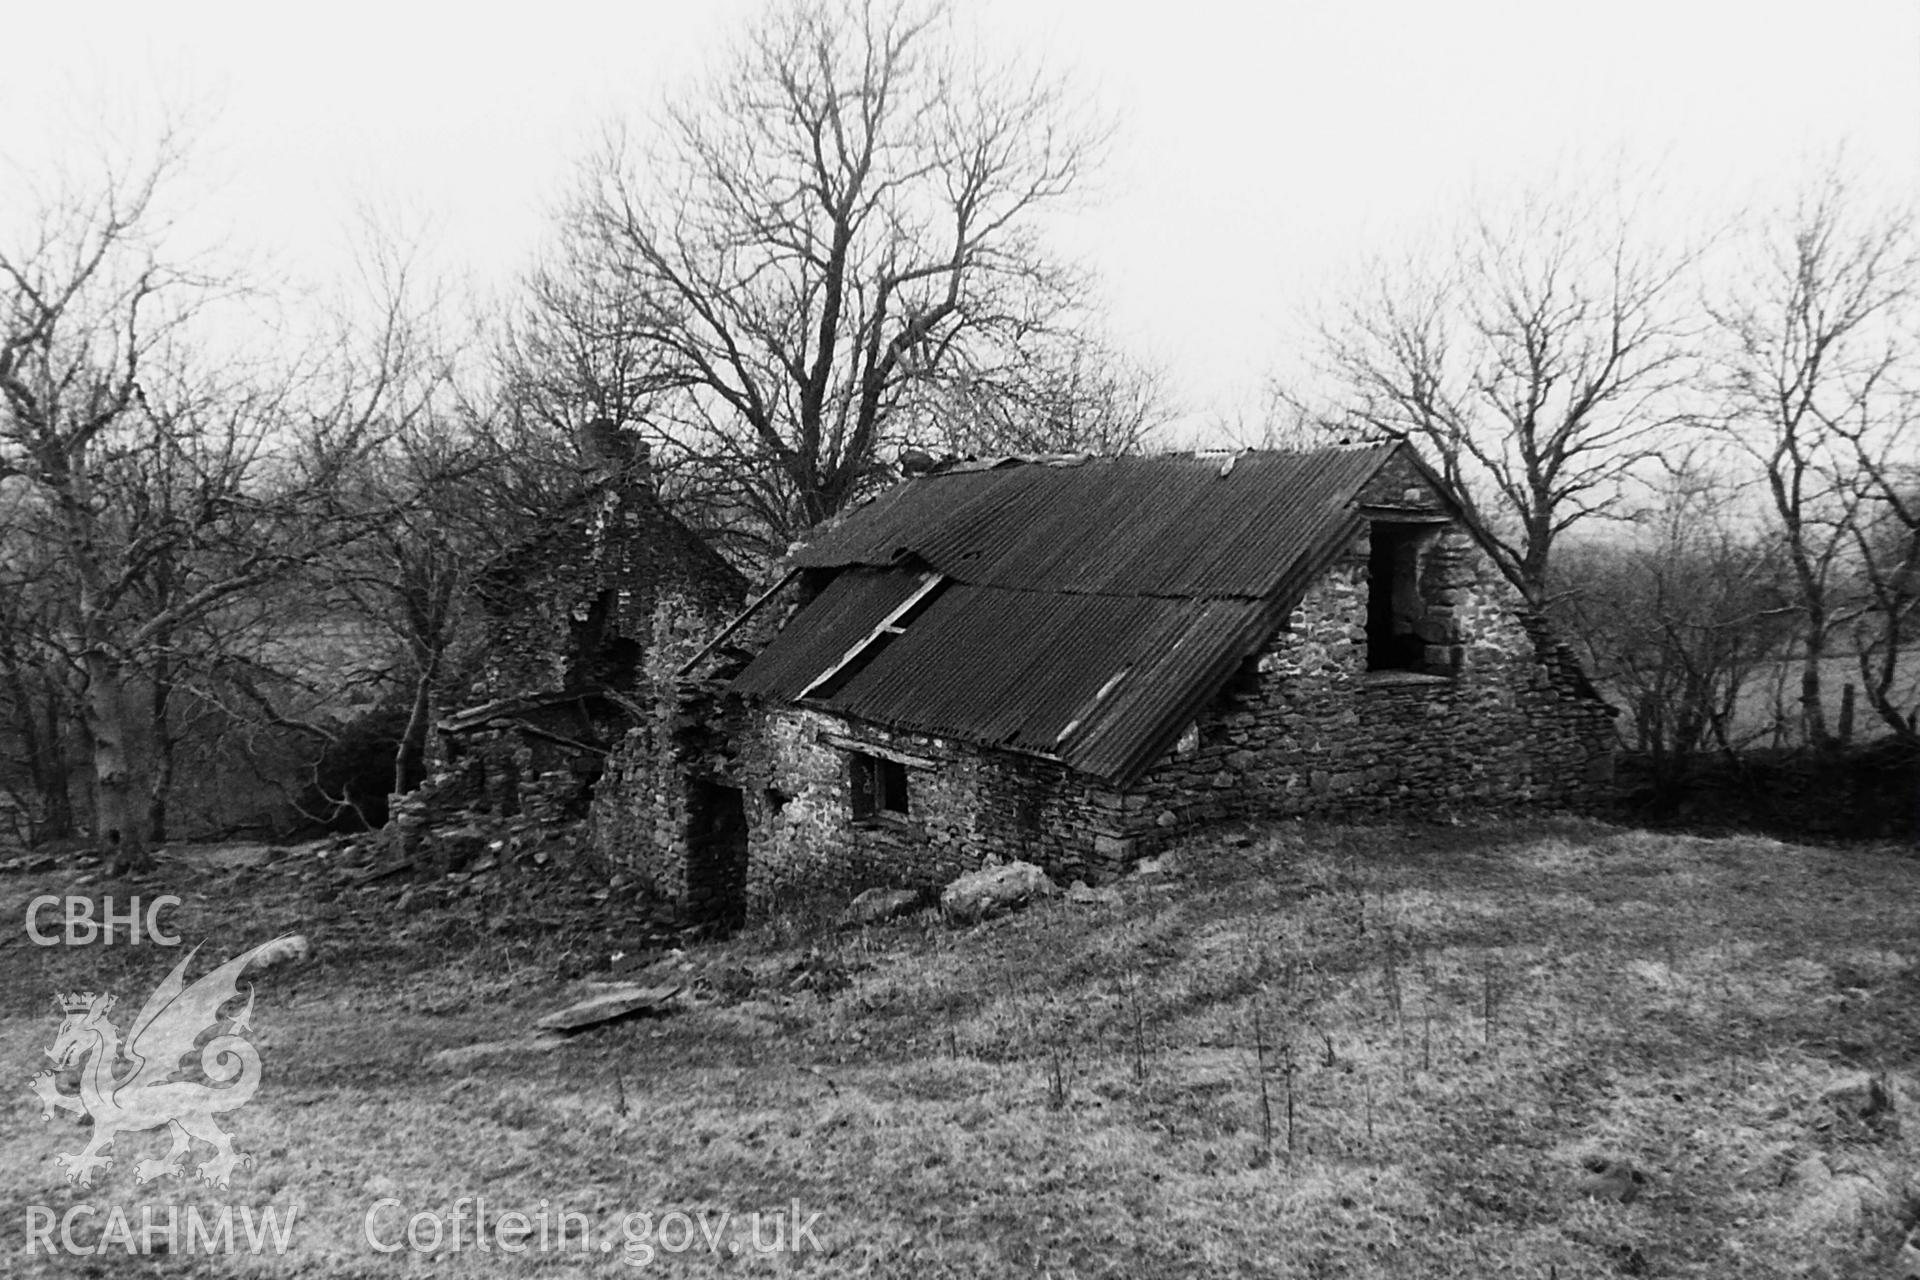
(1450, 1021)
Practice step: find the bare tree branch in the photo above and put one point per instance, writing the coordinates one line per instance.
(1540, 358)
(840, 223)
(1818, 356)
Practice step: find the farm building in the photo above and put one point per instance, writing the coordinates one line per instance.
(1073, 660)
(585, 620)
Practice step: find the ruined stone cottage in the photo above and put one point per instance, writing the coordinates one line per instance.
(1072, 661)
(587, 621)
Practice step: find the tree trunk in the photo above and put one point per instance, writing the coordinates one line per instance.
(1813, 710)
(160, 787)
(41, 745)
(56, 822)
(409, 762)
(119, 818)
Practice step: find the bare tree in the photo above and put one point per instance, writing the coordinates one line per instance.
(1817, 357)
(570, 353)
(1282, 420)
(408, 580)
(1536, 357)
(1678, 618)
(1064, 393)
(1886, 542)
(39, 677)
(573, 353)
(168, 487)
(844, 216)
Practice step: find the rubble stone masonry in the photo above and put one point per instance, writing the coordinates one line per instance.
(1497, 715)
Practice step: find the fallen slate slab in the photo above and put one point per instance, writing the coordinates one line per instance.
(237, 855)
(380, 871)
(468, 1054)
(621, 1002)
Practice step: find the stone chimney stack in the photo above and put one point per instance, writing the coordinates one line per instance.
(618, 457)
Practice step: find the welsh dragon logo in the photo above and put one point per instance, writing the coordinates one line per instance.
(142, 1094)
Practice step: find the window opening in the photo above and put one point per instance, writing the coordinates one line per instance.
(879, 786)
(600, 654)
(1396, 611)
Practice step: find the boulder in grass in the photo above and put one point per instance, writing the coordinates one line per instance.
(876, 906)
(291, 949)
(464, 1056)
(1167, 864)
(1610, 1177)
(989, 891)
(1831, 1201)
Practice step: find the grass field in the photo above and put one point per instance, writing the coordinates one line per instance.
(1557, 1049)
(1773, 694)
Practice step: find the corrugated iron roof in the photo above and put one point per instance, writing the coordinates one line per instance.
(1090, 610)
(838, 618)
(1088, 679)
(1222, 525)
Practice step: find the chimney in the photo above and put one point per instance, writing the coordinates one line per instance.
(618, 457)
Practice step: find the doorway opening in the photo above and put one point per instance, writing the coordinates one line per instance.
(716, 852)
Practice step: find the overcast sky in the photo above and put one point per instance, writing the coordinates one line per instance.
(1263, 148)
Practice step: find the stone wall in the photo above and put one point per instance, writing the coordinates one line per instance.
(576, 605)
(639, 804)
(608, 600)
(1304, 729)
(965, 805)
(1497, 715)
(792, 768)
(1310, 730)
